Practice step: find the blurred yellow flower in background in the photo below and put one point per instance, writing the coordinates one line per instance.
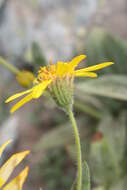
(7, 168)
(24, 77)
(58, 80)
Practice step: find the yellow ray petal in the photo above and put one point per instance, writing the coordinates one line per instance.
(18, 95)
(85, 74)
(17, 183)
(96, 67)
(60, 67)
(39, 89)
(75, 61)
(4, 146)
(1, 182)
(9, 166)
(21, 102)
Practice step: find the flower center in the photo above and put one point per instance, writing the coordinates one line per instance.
(46, 73)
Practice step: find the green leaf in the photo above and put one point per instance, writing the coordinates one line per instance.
(86, 177)
(114, 130)
(74, 185)
(106, 155)
(99, 188)
(37, 55)
(103, 165)
(114, 86)
(102, 46)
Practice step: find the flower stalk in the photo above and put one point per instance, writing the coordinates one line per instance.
(78, 146)
(9, 66)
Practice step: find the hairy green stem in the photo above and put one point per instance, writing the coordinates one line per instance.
(10, 67)
(78, 146)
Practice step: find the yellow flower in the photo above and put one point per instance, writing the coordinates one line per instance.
(25, 78)
(8, 167)
(58, 80)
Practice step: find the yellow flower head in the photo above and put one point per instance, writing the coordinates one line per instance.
(25, 78)
(7, 168)
(58, 80)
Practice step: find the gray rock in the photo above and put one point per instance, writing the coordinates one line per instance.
(9, 129)
(51, 23)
